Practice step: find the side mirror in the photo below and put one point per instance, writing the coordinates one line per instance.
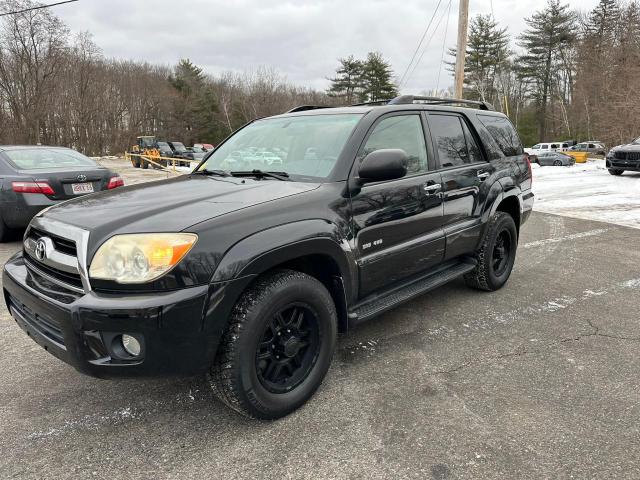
(385, 164)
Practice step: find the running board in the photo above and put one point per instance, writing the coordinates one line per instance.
(378, 304)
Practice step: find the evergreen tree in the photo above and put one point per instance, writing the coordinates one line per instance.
(602, 22)
(549, 34)
(347, 83)
(377, 83)
(486, 56)
(195, 106)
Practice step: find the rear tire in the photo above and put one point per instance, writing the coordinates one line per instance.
(616, 172)
(557, 163)
(144, 164)
(277, 347)
(496, 255)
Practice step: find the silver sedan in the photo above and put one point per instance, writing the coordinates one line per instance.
(557, 159)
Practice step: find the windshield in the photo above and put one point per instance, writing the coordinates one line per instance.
(43, 158)
(307, 146)
(164, 145)
(179, 146)
(636, 141)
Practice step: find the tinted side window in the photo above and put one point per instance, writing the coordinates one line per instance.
(504, 134)
(449, 139)
(404, 132)
(475, 154)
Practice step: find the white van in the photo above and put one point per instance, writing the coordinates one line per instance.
(539, 148)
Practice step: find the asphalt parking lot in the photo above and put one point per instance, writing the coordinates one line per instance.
(537, 380)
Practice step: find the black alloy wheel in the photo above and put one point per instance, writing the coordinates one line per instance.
(277, 347)
(496, 255)
(288, 349)
(502, 252)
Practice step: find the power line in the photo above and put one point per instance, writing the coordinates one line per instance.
(39, 7)
(426, 46)
(444, 41)
(420, 42)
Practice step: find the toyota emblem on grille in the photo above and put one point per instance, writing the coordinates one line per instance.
(41, 250)
(82, 178)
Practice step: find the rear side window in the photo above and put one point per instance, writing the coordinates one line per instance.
(404, 132)
(502, 131)
(449, 139)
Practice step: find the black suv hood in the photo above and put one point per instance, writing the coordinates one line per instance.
(630, 147)
(170, 205)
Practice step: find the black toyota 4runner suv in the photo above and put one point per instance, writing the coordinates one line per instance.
(248, 274)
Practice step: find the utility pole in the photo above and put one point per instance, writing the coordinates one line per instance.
(461, 49)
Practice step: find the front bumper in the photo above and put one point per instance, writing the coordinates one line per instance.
(179, 330)
(631, 165)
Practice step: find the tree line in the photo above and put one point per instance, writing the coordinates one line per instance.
(59, 89)
(568, 75)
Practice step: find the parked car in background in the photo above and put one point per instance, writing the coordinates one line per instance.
(624, 157)
(591, 147)
(34, 178)
(556, 159)
(205, 147)
(194, 154)
(178, 148)
(164, 149)
(539, 148)
(179, 151)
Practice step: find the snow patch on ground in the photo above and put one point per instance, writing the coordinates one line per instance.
(574, 236)
(588, 191)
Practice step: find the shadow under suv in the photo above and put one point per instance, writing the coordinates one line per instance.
(247, 275)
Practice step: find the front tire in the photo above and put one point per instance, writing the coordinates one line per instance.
(277, 347)
(496, 255)
(616, 172)
(557, 163)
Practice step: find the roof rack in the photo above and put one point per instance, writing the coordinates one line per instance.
(303, 108)
(409, 99)
(375, 102)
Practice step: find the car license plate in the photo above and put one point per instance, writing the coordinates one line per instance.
(80, 188)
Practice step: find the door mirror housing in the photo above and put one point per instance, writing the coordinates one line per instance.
(385, 164)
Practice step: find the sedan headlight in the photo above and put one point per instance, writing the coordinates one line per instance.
(140, 258)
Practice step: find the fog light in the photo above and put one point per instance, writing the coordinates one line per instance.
(131, 345)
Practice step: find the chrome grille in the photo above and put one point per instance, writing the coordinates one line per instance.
(57, 252)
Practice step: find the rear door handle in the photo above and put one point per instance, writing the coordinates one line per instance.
(433, 187)
(483, 176)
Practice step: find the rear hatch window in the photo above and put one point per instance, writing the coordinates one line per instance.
(45, 158)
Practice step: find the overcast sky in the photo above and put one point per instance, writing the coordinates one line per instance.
(300, 38)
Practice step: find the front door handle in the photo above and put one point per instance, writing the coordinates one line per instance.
(432, 187)
(483, 176)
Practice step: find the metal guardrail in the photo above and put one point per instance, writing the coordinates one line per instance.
(152, 159)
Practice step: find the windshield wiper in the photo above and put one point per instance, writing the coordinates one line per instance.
(284, 176)
(218, 173)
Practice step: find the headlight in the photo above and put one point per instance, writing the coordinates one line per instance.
(140, 258)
